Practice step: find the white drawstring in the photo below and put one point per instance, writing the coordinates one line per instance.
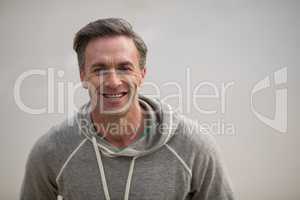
(128, 183)
(101, 169)
(103, 179)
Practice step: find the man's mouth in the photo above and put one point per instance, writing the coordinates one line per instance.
(114, 95)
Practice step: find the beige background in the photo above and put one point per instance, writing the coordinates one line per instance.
(219, 41)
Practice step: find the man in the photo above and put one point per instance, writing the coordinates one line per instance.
(122, 145)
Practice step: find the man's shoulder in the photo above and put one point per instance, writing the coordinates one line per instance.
(193, 146)
(190, 133)
(60, 139)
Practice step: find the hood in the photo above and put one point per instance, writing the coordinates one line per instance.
(161, 124)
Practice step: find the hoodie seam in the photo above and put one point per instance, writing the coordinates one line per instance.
(69, 159)
(185, 166)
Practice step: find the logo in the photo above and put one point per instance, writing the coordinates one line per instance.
(279, 121)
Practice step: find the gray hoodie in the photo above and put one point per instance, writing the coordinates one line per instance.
(171, 160)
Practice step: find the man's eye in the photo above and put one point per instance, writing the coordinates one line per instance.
(124, 68)
(99, 70)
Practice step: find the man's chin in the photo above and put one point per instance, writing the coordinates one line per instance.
(114, 110)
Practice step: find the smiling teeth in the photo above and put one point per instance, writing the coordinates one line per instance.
(112, 95)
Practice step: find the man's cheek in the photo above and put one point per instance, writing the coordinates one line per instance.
(134, 80)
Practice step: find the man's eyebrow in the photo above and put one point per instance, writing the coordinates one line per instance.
(104, 65)
(126, 63)
(98, 64)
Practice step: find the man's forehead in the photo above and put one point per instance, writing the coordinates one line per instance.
(110, 60)
(110, 44)
(106, 49)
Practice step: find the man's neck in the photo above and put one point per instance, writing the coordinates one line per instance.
(123, 130)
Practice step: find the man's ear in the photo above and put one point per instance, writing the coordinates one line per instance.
(83, 79)
(143, 74)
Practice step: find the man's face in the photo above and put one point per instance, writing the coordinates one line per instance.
(112, 74)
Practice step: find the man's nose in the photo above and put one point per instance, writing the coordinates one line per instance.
(112, 79)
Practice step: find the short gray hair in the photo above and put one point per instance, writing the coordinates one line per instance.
(105, 28)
